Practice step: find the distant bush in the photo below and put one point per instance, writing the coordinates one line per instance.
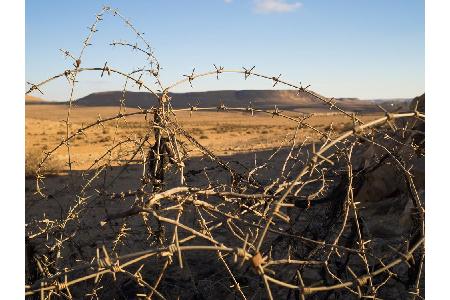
(105, 139)
(345, 127)
(33, 158)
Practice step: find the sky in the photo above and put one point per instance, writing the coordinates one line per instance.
(342, 48)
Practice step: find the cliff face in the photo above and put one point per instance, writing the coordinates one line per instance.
(420, 102)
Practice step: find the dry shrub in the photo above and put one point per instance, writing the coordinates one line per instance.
(32, 159)
(105, 139)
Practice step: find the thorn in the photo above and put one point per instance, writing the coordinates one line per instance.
(193, 107)
(92, 28)
(332, 103)
(221, 107)
(275, 80)
(218, 70)
(302, 89)
(190, 77)
(105, 68)
(276, 112)
(247, 73)
(34, 87)
(66, 53)
(382, 108)
(250, 108)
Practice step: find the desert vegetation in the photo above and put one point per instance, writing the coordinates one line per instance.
(220, 202)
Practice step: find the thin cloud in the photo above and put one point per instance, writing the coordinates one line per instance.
(227, 1)
(275, 6)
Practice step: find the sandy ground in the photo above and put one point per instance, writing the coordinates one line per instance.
(239, 139)
(224, 133)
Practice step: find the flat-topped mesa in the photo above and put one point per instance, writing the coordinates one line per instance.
(34, 100)
(283, 99)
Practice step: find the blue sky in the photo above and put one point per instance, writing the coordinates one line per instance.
(343, 48)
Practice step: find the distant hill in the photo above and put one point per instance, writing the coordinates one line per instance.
(418, 103)
(34, 100)
(285, 99)
(395, 104)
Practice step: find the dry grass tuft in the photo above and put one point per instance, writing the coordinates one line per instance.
(32, 159)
